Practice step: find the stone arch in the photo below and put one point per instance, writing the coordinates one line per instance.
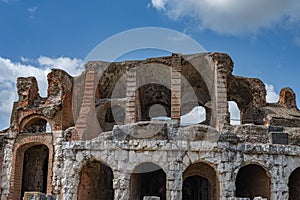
(23, 151)
(147, 179)
(250, 95)
(96, 181)
(252, 180)
(234, 113)
(293, 184)
(110, 91)
(35, 124)
(110, 114)
(200, 181)
(152, 95)
(115, 114)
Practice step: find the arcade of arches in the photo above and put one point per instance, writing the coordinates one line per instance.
(124, 116)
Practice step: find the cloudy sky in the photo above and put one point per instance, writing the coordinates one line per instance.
(261, 36)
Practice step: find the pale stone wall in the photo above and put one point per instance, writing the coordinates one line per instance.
(174, 156)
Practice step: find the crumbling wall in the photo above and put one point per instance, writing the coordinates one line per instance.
(56, 109)
(105, 108)
(174, 157)
(250, 96)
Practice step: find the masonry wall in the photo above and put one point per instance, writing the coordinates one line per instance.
(174, 157)
(86, 159)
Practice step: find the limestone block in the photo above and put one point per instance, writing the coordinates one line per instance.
(151, 198)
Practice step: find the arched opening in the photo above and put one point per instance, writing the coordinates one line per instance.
(235, 113)
(147, 179)
(110, 96)
(194, 97)
(37, 125)
(252, 181)
(196, 116)
(115, 114)
(200, 182)
(155, 101)
(35, 169)
(96, 182)
(294, 183)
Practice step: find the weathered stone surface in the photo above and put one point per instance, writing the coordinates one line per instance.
(288, 98)
(93, 152)
(37, 196)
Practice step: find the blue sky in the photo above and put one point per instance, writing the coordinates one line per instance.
(261, 36)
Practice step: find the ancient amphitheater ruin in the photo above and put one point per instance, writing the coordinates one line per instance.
(114, 132)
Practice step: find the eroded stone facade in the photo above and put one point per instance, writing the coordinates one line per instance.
(115, 132)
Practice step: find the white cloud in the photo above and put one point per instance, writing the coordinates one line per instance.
(73, 66)
(232, 16)
(159, 4)
(32, 9)
(272, 96)
(9, 1)
(9, 71)
(26, 60)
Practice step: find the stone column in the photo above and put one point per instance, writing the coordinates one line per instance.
(174, 181)
(70, 175)
(130, 95)
(279, 183)
(57, 170)
(6, 173)
(226, 183)
(176, 87)
(121, 185)
(223, 67)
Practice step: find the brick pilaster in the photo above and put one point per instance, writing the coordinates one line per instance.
(130, 95)
(176, 87)
(86, 106)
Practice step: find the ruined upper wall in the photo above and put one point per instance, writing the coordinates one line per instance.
(106, 94)
(177, 83)
(32, 113)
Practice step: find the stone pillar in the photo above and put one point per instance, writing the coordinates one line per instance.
(70, 175)
(279, 183)
(223, 67)
(121, 185)
(6, 173)
(176, 87)
(221, 95)
(130, 95)
(57, 170)
(174, 181)
(226, 183)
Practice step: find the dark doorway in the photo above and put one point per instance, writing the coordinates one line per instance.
(252, 181)
(196, 188)
(148, 179)
(294, 185)
(96, 182)
(35, 169)
(200, 182)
